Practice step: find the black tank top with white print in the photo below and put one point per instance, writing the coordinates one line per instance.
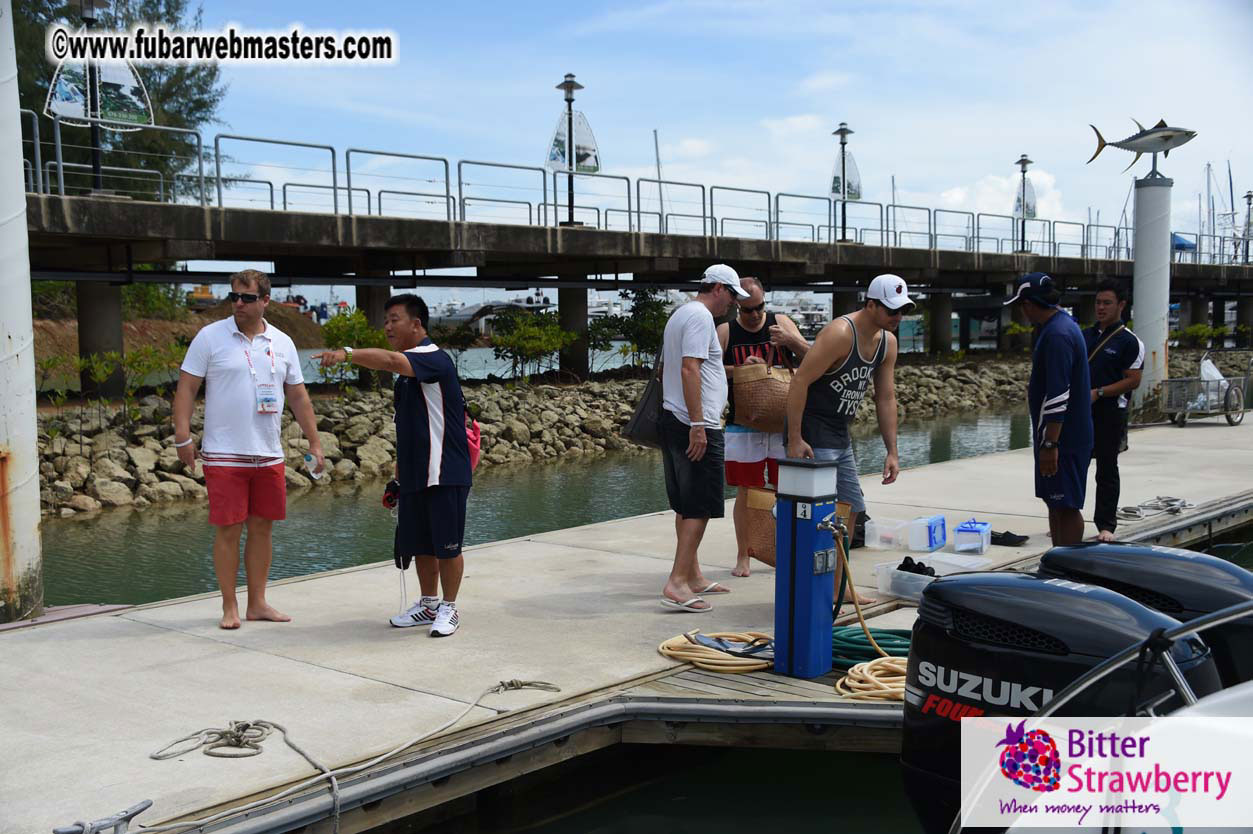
(833, 398)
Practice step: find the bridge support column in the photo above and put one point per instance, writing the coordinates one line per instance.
(844, 302)
(1218, 318)
(572, 314)
(1244, 322)
(1198, 311)
(370, 300)
(963, 331)
(1085, 310)
(1013, 342)
(940, 333)
(99, 310)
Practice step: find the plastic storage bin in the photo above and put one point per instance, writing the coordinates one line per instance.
(887, 534)
(927, 533)
(906, 585)
(972, 536)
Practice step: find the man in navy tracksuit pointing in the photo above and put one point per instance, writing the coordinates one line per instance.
(432, 460)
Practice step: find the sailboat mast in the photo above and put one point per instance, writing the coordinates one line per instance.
(660, 201)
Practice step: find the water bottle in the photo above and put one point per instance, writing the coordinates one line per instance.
(310, 465)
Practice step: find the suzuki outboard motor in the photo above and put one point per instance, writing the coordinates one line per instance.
(1003, 644)
(1180, 583)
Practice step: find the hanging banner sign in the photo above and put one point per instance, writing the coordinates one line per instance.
(1030, 201)
(850, 190)
(586, 154)
(120, 95)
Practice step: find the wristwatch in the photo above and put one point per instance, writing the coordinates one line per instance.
(1048, 444)
(1100, 393)
(347, 353)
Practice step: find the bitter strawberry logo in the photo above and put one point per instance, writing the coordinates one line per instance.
(1030, 759)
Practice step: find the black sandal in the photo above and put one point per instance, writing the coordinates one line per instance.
(1008, 539)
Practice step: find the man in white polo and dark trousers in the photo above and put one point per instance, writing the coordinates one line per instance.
(694, 393)
(433, 469)
(249, 368)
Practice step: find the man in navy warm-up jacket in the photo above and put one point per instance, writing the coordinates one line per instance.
(1059, 398)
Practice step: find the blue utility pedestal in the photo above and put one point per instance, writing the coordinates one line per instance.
(804, 584)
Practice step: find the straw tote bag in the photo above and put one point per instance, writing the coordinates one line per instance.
(644, 427)
(761, 393)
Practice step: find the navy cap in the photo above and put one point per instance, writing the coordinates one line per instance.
(1038, 287)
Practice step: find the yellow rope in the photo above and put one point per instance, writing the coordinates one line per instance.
(881, 679)
(683, 648)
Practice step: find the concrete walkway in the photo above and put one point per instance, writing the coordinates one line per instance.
(85, 701)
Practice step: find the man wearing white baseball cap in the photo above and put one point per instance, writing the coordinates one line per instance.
(694, 394)
(831, 383)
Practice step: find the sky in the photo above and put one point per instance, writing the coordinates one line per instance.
(944, 96)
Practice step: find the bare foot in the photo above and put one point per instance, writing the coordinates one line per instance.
(229, 620)
(1105, 536)
(862, 600)
(741, 566)
(268, 612)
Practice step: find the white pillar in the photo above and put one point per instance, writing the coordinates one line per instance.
(1150, 304)
(21, 576)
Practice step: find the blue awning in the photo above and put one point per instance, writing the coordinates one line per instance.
(1180, 243)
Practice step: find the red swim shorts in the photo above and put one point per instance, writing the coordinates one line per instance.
(237, 493)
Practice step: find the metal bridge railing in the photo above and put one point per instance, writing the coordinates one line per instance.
(716, 188)
(447, 199)
(348, 173)
(115, 169)
(38, 164)
(935, 229)
(217, 160)
(461, 183)
(337, 188)
(56, 140)
(576, 174)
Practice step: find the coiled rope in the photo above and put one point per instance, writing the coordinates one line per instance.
(686, 650)
(1159, 505)
(248, 735)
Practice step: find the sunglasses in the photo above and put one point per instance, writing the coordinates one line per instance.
(757, 309)
(899, 311)
(246, 297)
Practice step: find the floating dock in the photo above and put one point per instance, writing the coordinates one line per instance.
(86, 700)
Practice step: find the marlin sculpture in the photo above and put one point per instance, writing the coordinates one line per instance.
(1160, 138)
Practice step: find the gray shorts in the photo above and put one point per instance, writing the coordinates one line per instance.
(847, 485)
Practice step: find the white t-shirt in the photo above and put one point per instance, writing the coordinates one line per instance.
(220, 354)
(691, 332)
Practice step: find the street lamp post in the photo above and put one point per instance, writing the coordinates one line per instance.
(87, 9)
(1248, 226)
(569, 85)
(843, 133)
(1022, 163)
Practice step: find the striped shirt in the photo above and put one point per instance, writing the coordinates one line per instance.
(431, 445)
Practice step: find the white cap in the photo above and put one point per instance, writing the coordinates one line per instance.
(890, 291)
(723, 274)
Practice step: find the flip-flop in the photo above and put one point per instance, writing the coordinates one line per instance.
(688, 607)
(714, 588)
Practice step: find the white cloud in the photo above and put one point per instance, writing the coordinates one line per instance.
(824, 82)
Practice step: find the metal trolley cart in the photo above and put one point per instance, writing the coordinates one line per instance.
(1207, 395)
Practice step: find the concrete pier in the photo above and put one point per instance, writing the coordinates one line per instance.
(87, 700)
(572, 313)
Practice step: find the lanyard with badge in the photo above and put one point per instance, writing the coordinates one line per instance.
(267, 392)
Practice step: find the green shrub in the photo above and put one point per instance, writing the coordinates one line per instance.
(525, 339)
(351, 329)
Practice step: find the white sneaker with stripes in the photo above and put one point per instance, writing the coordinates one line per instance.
(421, 613)
(446, 620)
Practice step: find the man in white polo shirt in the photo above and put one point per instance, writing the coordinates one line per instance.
(249, 368)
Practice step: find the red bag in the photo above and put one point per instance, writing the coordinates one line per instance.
(474, 438)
